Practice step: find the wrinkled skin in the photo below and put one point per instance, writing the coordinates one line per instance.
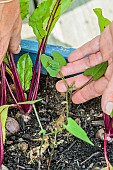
(10, 28)
(101, 49)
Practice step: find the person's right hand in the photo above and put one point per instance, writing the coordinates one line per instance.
(10, 28)
(101, 49)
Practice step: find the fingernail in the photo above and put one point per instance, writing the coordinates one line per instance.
(109, 108)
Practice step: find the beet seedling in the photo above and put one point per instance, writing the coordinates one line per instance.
(25, 77)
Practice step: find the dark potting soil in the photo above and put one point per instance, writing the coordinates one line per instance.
(71, 153)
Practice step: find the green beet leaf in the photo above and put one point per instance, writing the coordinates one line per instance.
(3, 118)
(97, 71)
(65, 4)
(103, 22)
(38, 20)
(54, 14)
(24, 68)
(24, 8)
(59, 58)
(77, 131)
(57, 9)
(46, 15)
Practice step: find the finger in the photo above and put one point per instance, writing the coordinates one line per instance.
(94, 89)
(90, 91)
(106, 44)
(107, 98)
(14, 45)
(76, 80)
(89, 48)
(81, 65)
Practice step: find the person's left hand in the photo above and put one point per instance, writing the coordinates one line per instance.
(10, 28)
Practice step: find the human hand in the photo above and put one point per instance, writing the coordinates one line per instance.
(10, 28)
(101, 49)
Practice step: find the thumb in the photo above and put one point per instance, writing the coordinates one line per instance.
(107, 98)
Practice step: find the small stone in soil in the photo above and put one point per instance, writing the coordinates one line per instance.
(12, 126)
(100, 134)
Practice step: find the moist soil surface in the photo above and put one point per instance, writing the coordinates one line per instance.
(71, 153)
